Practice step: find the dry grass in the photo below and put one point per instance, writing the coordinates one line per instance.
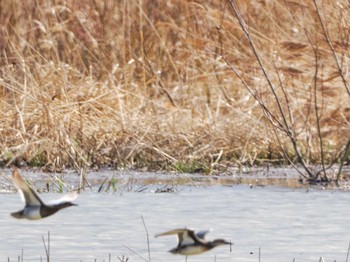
(144, 83)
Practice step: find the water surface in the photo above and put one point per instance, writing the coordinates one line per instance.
(284, 223)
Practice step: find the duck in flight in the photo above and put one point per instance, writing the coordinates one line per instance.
(34, 207)
(191, 243)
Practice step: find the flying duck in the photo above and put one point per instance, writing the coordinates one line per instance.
(34, 207)
(191, 243)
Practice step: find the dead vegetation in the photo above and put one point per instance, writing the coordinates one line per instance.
(163, 84)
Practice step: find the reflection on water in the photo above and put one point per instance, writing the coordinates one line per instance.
(284, 223)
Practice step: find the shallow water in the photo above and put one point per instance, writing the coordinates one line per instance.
(284, 223)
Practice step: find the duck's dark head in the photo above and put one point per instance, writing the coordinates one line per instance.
(65, 204)
(219, 242)
(48, 210)
(54, 208)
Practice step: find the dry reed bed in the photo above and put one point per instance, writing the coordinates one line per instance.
(148, 83)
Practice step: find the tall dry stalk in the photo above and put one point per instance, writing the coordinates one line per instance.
(94, 83)
(286, 126)
(47, 246)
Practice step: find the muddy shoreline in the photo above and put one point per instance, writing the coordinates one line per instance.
(134, 180)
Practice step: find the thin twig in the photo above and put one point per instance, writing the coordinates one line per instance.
(347, 255)
(285, 126)
(148, 245)
(329, 42)
(262, 67)
(101, 186)
(133, 251)
(315, 49)
(47, 248)
(344, 158)
(83, 179)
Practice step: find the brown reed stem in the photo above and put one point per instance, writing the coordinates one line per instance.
(148, 243)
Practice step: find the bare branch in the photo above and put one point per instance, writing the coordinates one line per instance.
(329, 42)
(287, 129)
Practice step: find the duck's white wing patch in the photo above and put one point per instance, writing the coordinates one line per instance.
(201, 234)
(27, 194)
(21, 195)
(32, 199)
(69, 197)
(185, 238)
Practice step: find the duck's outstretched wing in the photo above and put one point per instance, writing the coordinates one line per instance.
(186, 236)
(69, 197)
(172, 232)
(29, 196)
